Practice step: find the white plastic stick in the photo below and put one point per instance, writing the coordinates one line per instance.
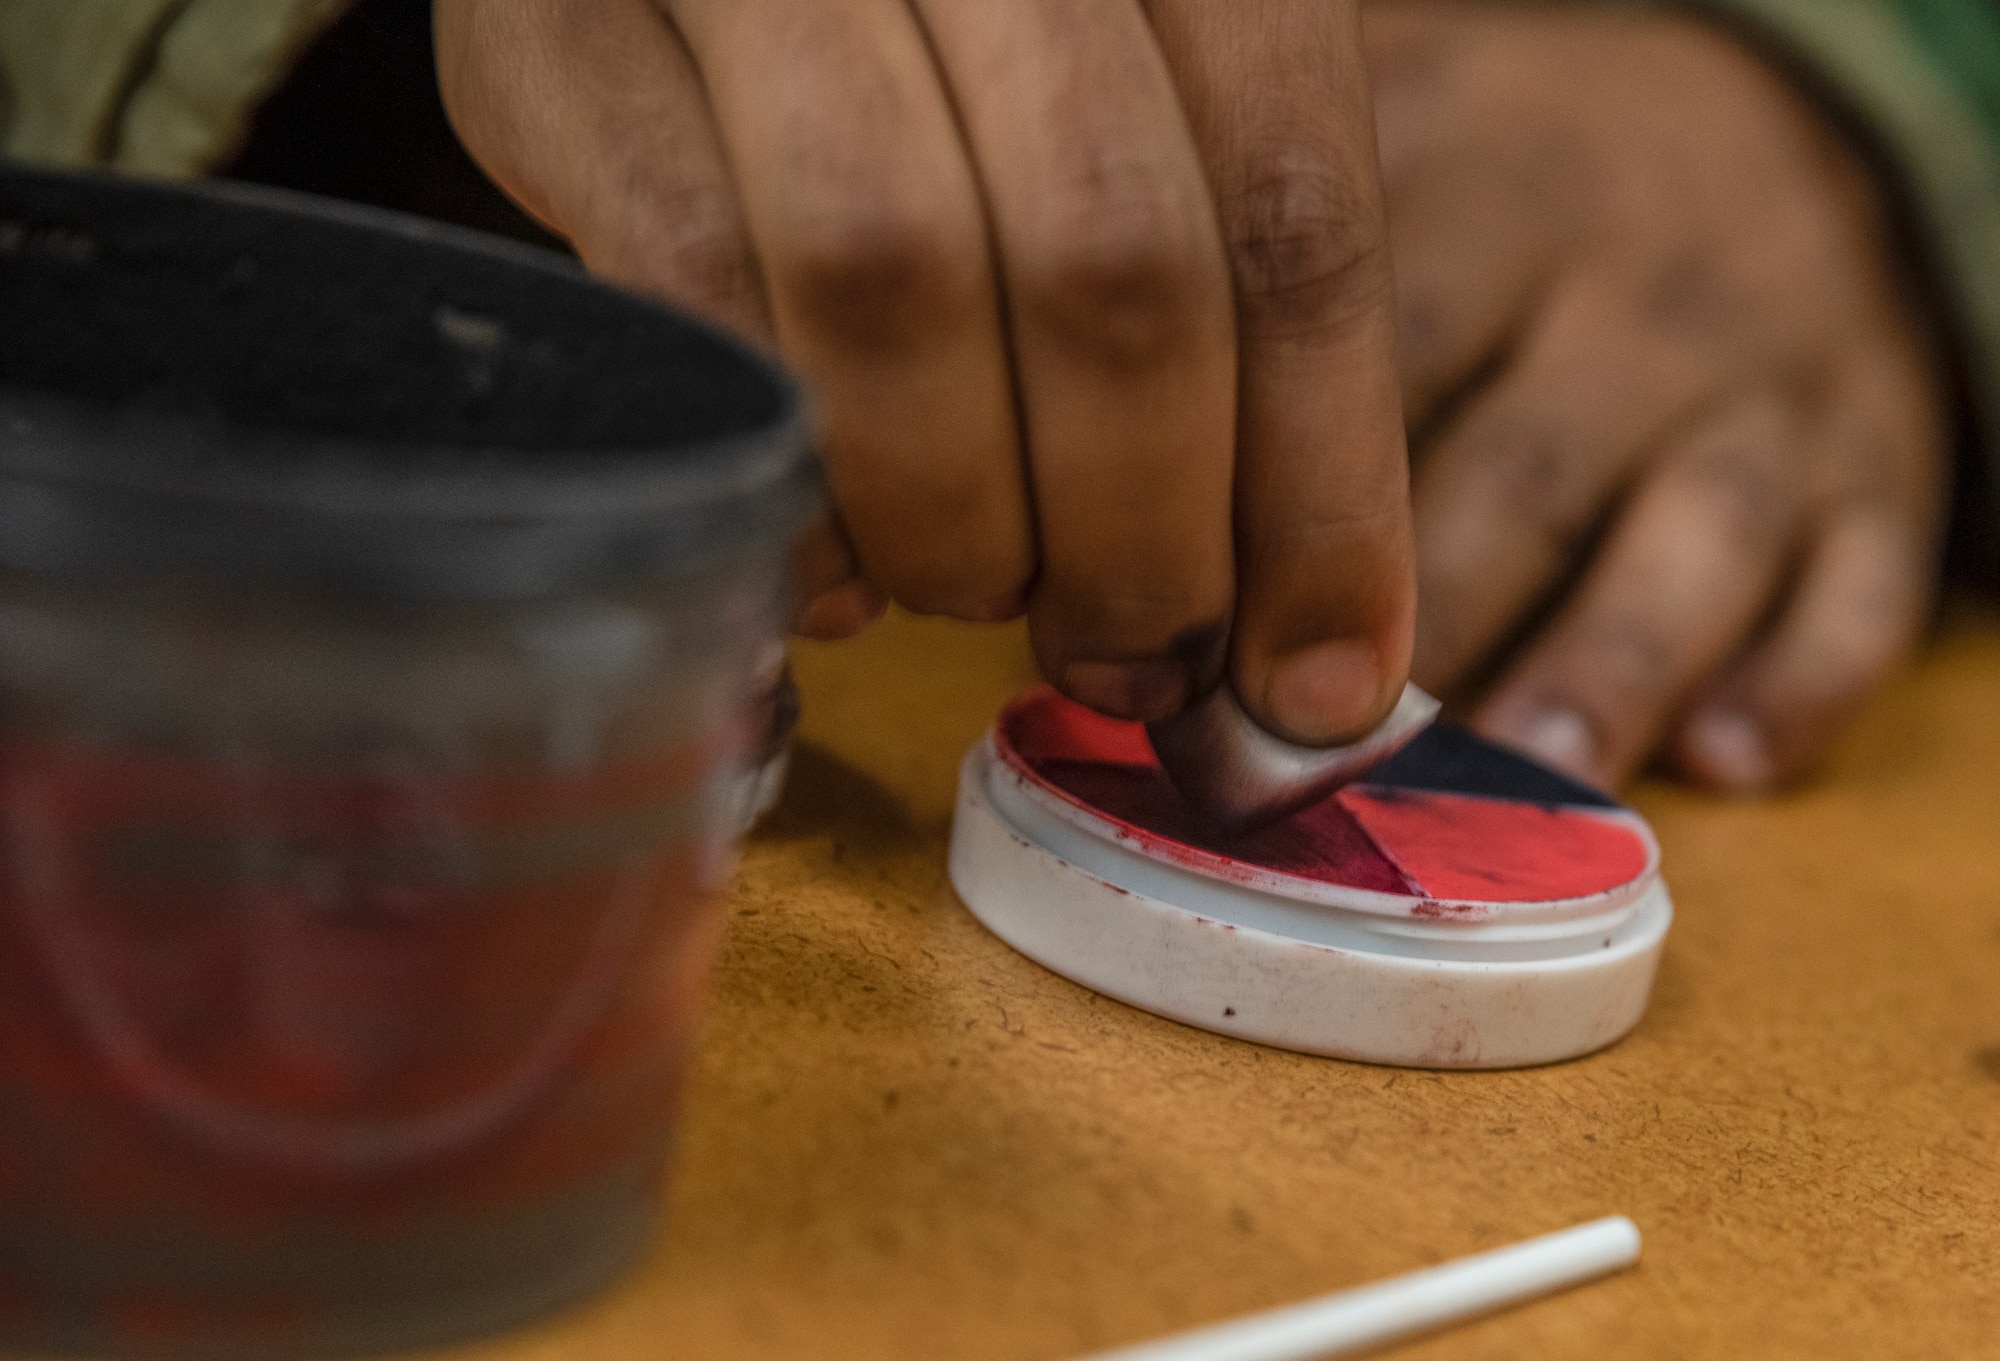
(1353, 1320)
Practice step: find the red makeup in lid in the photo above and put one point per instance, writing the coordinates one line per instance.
(1458, 906)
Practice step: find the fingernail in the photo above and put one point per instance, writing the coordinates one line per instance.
(1325, 693)
(1731, 749)
(1141, 691)
(839, 613)
(1558, 737)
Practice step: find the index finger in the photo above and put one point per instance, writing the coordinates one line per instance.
(1326, 602)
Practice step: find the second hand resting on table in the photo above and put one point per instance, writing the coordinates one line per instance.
(1096, 302)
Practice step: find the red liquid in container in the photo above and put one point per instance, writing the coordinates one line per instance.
(280, 1053)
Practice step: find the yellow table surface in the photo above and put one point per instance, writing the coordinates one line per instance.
(903, 1140)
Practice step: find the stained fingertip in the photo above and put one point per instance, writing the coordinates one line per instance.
(1142, 691)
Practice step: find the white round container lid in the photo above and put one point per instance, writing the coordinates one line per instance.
(1459, 907)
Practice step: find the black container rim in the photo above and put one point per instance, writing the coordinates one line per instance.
(188, 383)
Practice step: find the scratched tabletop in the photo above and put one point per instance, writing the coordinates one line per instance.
(903, 1140)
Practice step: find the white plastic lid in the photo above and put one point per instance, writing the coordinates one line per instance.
(1459, 907)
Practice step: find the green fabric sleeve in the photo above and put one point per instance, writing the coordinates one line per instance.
(155, 87)
(1921, 78)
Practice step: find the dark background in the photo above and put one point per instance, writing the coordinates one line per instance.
(360, 119)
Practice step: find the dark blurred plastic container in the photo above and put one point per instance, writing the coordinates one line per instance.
(382, 612)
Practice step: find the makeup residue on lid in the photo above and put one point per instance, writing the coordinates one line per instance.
(1502, 840)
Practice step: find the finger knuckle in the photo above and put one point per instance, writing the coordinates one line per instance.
(704, 252)
(881, 276)
(1692, 293)
(1528, 472)
(1116, 276)
(1747, 499)
(1628, 666)
(1307, 250)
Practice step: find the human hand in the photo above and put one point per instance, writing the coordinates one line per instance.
(1092, 297)
(1678, 427)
